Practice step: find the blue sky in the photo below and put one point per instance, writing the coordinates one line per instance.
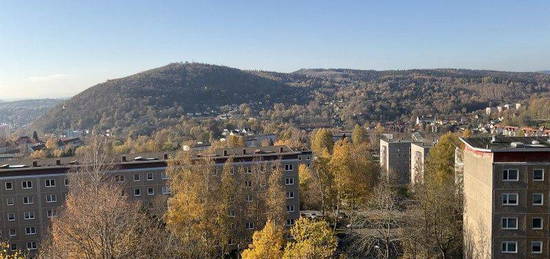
(58, 48)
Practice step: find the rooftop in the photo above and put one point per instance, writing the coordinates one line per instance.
(148, 158)
(508, 144)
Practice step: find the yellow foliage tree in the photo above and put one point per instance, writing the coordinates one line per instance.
(51, 144)
(267, 243)
(235, 141)
(310, 193)
(275, 198)
(440, 163)
(4, 254)
(321, 141)
(194, 210)
(354, 172)
(359, 135)
(311, 239)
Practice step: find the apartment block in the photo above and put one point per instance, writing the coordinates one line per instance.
(32, 191)
(506, 197)
(419, 154)
(395, 160)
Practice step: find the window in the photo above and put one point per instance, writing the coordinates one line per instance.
(166, 190)
(28, 200)
(136, 177)
(119, 178)
(30, 231)
(137, 192)
(51, 213)
(26, 184)
(11, 216)
(538, 175)
(288, 167)
(290, 208)
(66, 181)
(290, 222)
(248, 183)
(536, 247)
(31, 245)
(289, 181)
(249, 170)
(509, 247)
(13, 247)
(149, 176)
(538, 199)
(28, 215)
(9, 186)
(10, 201)
(536, 223)
(510, 175)
(12, 232)
(231, 213)
(249, 225)
(164, 175)
(509, 199)
(150, 191)
(50, 183)
(290, 195)
(249, 198)
(51, 198)
(509, 223)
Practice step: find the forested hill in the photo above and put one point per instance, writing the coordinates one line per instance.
(159, 97)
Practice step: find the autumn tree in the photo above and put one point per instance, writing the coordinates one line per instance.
(359, 135)
(267, 243)
(311, 239)
(436, 229)
(4, 254)
(321, 141)
(275, 198)
(235, 141)
(51, 143)
(440, 162)
(97, 221)
(210, 207)
(232, 205)
(311, 188)
(194, 210)
(354, 174)
(382, 214)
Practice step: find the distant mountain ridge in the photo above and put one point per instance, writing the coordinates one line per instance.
(157, 98)
(168, 92)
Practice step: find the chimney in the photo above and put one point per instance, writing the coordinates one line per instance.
(165, 156)
(123, 158)
(58, 162)
(34, 163)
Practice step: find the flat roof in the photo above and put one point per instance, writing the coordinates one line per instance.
(508, 144)
(147, 159)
